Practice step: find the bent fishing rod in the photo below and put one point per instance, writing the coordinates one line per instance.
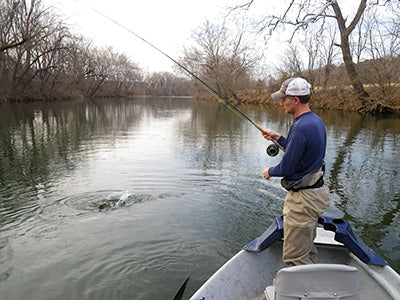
(272, 150)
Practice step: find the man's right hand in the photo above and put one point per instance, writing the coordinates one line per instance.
(270, 135)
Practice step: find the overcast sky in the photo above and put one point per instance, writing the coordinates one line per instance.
(166, 24)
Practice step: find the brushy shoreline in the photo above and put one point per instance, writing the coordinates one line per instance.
(339, 100)
(335, 100)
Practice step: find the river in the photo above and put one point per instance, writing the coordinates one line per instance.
(122, 199)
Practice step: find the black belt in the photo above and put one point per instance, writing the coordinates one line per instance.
(318, 184)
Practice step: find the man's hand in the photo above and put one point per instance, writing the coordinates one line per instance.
(266, 174)
(270, 135)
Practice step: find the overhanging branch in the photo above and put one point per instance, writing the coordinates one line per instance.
(12, 45)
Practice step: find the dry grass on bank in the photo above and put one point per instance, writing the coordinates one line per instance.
(343, 99)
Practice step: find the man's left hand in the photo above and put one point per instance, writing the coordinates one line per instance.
(266, 174)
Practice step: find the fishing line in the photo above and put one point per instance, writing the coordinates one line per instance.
(213, 92)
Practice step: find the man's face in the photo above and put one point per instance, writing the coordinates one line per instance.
(289, 104)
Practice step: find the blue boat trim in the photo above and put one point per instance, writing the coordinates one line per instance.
(343, 234)
(273, 233)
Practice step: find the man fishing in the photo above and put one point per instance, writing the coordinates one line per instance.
(302, 169)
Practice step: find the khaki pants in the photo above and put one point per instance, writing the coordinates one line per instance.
(300, 216)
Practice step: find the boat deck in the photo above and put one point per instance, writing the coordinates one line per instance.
(246, 275)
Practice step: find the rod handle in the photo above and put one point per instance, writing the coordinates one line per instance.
(274, 141)
(258, 127)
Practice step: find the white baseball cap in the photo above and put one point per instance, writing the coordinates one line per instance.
(294, 86)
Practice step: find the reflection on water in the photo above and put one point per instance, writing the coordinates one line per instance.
(124, 198)
(364, 178)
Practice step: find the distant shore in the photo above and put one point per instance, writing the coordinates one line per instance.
(338, 100)
(333, 100)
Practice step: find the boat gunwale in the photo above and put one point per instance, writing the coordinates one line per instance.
(384, 276)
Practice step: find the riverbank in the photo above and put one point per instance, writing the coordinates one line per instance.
(334, 99)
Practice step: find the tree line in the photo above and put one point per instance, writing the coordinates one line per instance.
(352, 59)
(40, 59)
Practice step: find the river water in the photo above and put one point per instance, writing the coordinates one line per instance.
(122, 199)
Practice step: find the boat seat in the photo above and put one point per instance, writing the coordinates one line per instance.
(314, 281)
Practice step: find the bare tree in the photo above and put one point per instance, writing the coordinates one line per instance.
(40, 36)
(307, 58)
(168, 84)
(303, 14)
(327, 54)
(99, 67)
(222, 61)
(41, 60)
(122, 75)
(48, 58)
(292, 64)
(9, 38)
(382, 49)
(345, 32)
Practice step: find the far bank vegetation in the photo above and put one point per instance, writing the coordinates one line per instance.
(41, 59)
(352, 61)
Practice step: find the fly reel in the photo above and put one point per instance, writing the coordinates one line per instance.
(272, 150)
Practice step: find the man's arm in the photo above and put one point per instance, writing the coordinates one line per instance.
(294, 150)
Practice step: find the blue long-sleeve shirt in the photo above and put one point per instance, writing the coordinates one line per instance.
(305, 147)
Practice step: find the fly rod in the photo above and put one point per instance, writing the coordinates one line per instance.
(272, 150)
